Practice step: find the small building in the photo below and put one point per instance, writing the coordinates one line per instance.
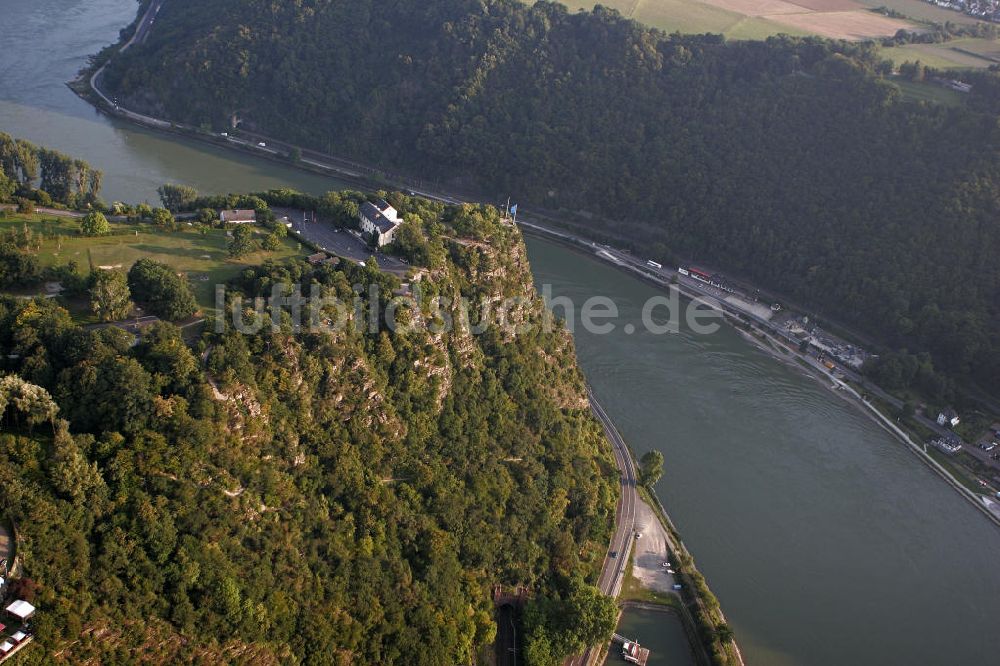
(321, 258)
(53, 289)
(239, 216)
(960, 86)
(949, 444)
(380, 221)
(949, 418)
(21, 610)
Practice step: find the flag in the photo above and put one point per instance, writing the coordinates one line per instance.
(513, 209)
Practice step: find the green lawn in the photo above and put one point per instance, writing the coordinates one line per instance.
(986, 49)
(201, 256)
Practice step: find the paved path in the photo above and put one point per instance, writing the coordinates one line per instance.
(613, 570)
(651, 551)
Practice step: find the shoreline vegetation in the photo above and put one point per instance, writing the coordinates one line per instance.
(699, 608)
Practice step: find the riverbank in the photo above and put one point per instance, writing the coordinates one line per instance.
(775, 348)
(648, 585)
(657, 630)
(702, 606)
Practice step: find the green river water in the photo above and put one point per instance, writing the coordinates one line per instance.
(826, 541)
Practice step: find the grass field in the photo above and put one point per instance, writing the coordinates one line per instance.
(929, 92)
(839, 19)
(756, 19)
(921, 11)
(968, 53)
(202, 257)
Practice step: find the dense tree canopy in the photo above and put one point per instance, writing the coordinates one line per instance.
(307, 496)
(161, 290)
(95, 224)
(791, 161)
(650, 467)
(110, 298)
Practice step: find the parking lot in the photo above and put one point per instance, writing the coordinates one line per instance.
(346, 243)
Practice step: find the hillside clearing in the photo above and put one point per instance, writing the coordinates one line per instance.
(200, 254)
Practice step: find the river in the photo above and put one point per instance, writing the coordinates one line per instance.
(45, 44)
(661, 632)
(826, 541)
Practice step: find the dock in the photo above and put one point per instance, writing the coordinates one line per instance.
(631, 652)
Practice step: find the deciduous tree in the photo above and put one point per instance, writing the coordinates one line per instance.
(110, 298)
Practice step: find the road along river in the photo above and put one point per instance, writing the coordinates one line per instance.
(826, 541)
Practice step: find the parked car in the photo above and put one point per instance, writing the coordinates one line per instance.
(613, 554)
(262, 144)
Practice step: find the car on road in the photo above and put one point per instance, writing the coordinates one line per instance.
(671, 572)
(262, 144)
(678, 586)
(613, 554)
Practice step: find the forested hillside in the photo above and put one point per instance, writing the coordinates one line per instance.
(792, 162)
(338, 496)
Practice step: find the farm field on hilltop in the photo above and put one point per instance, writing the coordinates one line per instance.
(758, 19)
(921, 11)
(956, 54)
